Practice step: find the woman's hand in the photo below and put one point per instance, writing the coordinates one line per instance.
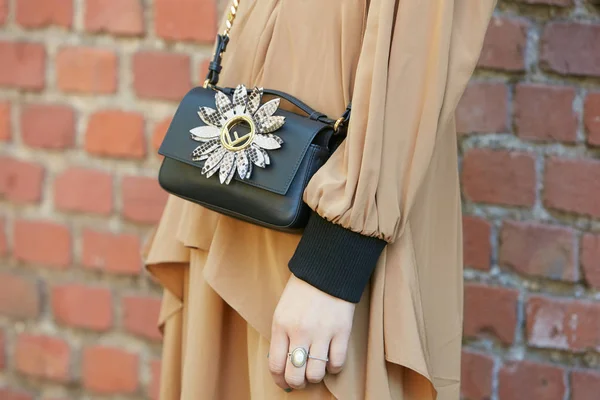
(315, 321)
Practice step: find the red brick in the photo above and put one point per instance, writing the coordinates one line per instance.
(109, 370)
(48, 126)
(559, 3)
(140, 316)
(20, 181)
(41, 242)
(545, 113)
(499, 177)
(154, 389)
(533, 249)
(591, 118)
(83, 306)
(86, 70)
(573, 186)
(178, 20)
(483, 109)
(161, 75)
(3, 11)
(19, 296)
(529, 380)
(585, 385)
(160, 131)
(476, 376)
(2, 350)
(563, 324)
(143, 199)
(121, 17)
(84, 190)
(43, 13)
(5, 130)
(113, 253)
(23, 65)
(14, 394)
(504, 45)
(570, 48)
(3, 238)
(476, 243)
(590, 259)
(116, 134)
(42, 357)
(490, 310)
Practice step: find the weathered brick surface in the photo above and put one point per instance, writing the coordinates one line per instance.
(86, 70)
(490, 311)
(545, 113)
(499, 177)
(531, 380)
(87, 91)
(50, 126)
(539, 250)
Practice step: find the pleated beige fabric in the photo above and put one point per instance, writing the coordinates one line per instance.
(405, 65)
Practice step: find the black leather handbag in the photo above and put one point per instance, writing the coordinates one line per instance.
(232, 152)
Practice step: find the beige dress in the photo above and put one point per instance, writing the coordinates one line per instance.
(404, 64)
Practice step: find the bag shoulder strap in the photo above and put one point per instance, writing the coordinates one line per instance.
(215, 67)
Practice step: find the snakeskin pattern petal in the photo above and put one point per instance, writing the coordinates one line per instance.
(249, 173)
(266, 142)
(254, 100)
(227, 169)
(266, 111)
(224, 105)
(271, 124)
(211, 117)
(242, 164)
(265, 155)
(205, 133)
(203, 151)
(256, 156)
(213, 162)
(240, 98)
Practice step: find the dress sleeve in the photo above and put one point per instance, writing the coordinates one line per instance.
(416, 59)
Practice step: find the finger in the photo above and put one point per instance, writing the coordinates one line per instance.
(337, 353)
(278, 356)
(296, 376)
(315, 369)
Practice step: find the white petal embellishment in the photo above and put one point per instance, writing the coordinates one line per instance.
(242, 164)
(240, 98)
(266, 142)
(203, 151)
(211, 117)
(271, 124)
(227, 169)
(224, 105)
(265, 155)
(267, 109)
(214, 161)
(256, 156)
(254, 100)
(249, 173)
(205, 133)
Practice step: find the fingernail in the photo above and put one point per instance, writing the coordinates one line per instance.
(287, 390)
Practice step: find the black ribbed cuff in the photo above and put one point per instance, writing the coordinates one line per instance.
(335, 260)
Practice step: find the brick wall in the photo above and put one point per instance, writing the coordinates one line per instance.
(86, 91)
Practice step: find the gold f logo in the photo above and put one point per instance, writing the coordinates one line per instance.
(237, 143)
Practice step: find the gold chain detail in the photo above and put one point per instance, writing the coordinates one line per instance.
(231, 16)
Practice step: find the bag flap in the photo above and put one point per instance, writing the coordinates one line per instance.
(297, 134)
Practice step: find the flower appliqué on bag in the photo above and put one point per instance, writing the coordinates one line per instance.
(237, 134)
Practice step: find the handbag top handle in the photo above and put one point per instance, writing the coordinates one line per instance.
(214, 68)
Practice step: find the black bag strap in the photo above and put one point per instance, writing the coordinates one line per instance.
(215, 67)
